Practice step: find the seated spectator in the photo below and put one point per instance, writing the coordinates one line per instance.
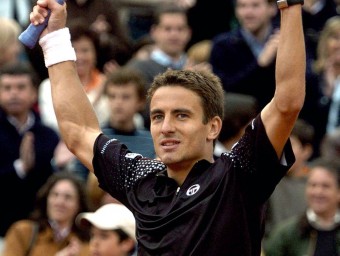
(244, 57)
(317, 230)
(51, 228)
(325, 81)
(112, 230)
(27, 145)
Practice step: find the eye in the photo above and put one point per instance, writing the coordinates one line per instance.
(156, 117)
(182, 116)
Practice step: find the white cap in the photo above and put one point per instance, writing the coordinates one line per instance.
(109, 217)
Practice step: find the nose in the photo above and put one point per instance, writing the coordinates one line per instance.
(168, 125)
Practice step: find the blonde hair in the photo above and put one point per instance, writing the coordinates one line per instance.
(331, 28)
(200, 51)
(9, 31)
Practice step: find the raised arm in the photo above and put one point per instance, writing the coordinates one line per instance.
(77, 121)
(280, 114)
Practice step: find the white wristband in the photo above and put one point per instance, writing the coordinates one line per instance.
(57, 47)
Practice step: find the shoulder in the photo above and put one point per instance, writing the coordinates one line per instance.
(225, 37)
(22, 226)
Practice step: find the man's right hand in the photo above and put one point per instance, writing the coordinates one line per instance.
(57, 19)
(27, 152)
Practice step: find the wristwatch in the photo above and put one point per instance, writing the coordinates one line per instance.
(285, 3)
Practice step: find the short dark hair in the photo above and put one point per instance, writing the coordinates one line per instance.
(304, 131)
(21, 68)
(126, 75)
(205, 84)
(167, 9)
(332, 165)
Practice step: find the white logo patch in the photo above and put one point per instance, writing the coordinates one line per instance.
(193, 190)
(132, 155)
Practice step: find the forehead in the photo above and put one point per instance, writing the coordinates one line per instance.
(172, 18)
(320, 174)
(175, 97)
(15, 79)
(64, 186)
(130, 86)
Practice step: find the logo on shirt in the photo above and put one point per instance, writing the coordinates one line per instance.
(193, 190)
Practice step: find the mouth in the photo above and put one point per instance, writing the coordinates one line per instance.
(169, 144)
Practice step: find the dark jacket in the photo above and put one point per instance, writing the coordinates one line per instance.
(17, 195)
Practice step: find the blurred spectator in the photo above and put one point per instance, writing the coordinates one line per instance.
(10, 46)
(27, 146)
(51, 228)
(101, 17)
(325, 78)
(315, 13)
(239, 110)
(337, 4)
(244, 58)
(171, 34)
(288, 198)
(317, 230)
(112, 228)
(18, 10)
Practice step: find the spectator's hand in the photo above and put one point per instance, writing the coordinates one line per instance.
(62, 155)
(110, 67)
(269, 51)
(73, 248)
(100, 25)
(57, 19)
(27, 152)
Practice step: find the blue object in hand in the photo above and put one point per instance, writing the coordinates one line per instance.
(31, 34)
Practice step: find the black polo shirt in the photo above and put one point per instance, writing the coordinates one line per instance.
(218, 210)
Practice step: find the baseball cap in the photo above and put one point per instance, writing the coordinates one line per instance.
(110, 217)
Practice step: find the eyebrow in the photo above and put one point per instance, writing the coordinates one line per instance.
(175, 111)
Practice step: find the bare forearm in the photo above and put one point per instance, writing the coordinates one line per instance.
(291, 59)
(73, 110)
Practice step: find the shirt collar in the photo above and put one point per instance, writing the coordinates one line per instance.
(255, 45)
(22, 128)
(165, 60)
(314, 220)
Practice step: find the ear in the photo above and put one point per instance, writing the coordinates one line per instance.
(215, 126)
(128, 244)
